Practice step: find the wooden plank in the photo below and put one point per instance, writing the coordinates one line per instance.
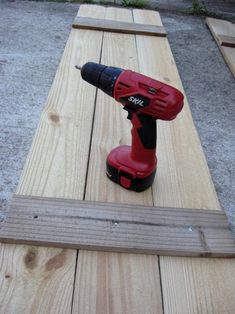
(120, 282)
(118, 27)
(228, 41)
(224, 34)
(116, 227)
(37, 279)
(189, 285)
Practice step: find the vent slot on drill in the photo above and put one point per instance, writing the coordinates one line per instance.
(123, 84)
(161, 100)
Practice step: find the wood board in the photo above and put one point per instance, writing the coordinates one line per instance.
(117, 227)
(112, 282)
(227, 41)
(118, 27)
(224, 34)
(184, 281)
(113, 273)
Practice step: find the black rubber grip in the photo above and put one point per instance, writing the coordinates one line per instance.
(148, 131)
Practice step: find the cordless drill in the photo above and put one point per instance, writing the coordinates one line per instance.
(145, 100)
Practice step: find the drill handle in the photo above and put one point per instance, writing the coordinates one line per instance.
(144, 135)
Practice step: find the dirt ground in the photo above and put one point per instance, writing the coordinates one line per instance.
(32, 39)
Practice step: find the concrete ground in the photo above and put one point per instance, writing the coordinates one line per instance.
(222, 8)
(32, 39)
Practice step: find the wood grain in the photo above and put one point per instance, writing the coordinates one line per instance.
(120, 282)
(37, 279)
(116, 227)
(118, 27)
(183, 180)
(224, 34)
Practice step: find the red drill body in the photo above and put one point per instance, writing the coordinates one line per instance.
(160, 101)
(146, 100)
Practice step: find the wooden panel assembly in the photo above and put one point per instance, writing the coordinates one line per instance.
(224, 34)
(118, 27)
(77, 129)
(117, 227)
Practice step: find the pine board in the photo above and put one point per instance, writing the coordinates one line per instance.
(118, 27)
(118, 283)
(224, 34)
(117, 227)
(188, 285)
(38, 279)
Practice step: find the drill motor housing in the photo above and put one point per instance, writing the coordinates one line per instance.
(148, 96)
(146, 100)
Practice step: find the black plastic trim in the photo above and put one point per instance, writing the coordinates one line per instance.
(137, 184)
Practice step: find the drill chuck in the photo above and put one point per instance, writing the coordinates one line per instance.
(101, 76)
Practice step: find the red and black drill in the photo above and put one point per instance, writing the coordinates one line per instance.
(145, 100)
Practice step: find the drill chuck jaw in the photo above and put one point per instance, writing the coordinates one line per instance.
(101, 76)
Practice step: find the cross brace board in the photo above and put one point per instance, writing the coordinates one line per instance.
(118, 27)
(228, 41)
(117, 227)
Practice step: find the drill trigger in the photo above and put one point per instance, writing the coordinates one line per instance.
(130, 112)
